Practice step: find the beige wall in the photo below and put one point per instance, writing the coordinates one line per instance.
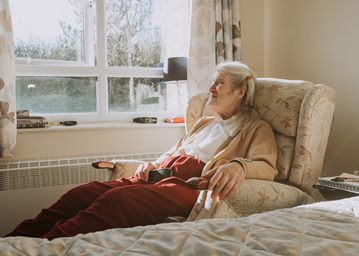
(253, 31)
(96, 141)
(317, 41)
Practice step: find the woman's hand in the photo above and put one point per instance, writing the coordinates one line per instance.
(143, 170)
(225, 180)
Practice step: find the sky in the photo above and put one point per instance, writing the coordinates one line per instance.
(41, 17)
(29, 17)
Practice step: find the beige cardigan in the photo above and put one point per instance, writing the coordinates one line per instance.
(256, 151)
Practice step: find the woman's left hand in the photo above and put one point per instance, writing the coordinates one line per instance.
(225, 180)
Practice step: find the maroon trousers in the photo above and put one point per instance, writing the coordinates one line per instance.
(127, 202)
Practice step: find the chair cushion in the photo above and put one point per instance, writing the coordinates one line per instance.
(274, 96)
(253, 196)
(285, 155)
(257, 196)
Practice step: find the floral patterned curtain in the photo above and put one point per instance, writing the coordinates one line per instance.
(7, 83)
(215, 37)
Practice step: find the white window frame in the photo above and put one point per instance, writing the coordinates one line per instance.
(102, 71)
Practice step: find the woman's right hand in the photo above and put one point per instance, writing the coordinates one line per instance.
(143, 170)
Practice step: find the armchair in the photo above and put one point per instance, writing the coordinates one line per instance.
(300, 114)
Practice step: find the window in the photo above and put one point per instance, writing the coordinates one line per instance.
(91, 60)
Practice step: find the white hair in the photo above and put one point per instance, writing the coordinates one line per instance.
(240, 75)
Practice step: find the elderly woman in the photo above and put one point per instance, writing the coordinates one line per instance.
(225, 150)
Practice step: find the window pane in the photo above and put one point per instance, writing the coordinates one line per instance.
(48, 95)
(147, 94)
(49, 30)
(135, 35)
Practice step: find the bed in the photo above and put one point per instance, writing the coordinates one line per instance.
(323, 228)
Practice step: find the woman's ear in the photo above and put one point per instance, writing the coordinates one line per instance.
(242, 91)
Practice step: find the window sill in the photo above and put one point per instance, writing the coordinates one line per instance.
(101, 126)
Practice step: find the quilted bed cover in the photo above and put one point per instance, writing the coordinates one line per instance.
(325, 228)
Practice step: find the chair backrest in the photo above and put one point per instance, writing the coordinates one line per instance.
(300, 114)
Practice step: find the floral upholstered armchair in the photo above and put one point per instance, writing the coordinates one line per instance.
(300, 114)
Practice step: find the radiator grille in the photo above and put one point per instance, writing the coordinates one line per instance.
(57, 171)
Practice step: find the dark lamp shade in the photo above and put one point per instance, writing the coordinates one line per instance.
(175, 69)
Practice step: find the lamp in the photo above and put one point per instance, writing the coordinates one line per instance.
(175, 69)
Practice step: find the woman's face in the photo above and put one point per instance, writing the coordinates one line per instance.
(225, 101)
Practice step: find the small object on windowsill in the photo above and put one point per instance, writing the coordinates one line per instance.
(175, 120)
(31, 117)
(38, 120)
(32, 122)
(20, 112)
(145, 120)
(67, 123)
(25, 126)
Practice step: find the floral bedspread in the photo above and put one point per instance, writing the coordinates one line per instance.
(325, 228)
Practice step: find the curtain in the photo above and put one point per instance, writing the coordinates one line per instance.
(215, 37)
(7, 83)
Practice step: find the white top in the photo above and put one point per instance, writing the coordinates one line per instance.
(210, 139)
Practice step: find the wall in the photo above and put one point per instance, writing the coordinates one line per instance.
(96, 141)
(317, 41)
(253, 30)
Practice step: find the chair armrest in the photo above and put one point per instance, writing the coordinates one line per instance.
(198, 183)
(103, 165)
(123, 168)
(315, 120)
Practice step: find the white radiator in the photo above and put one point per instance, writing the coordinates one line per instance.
(57, 171)
(28, 185)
